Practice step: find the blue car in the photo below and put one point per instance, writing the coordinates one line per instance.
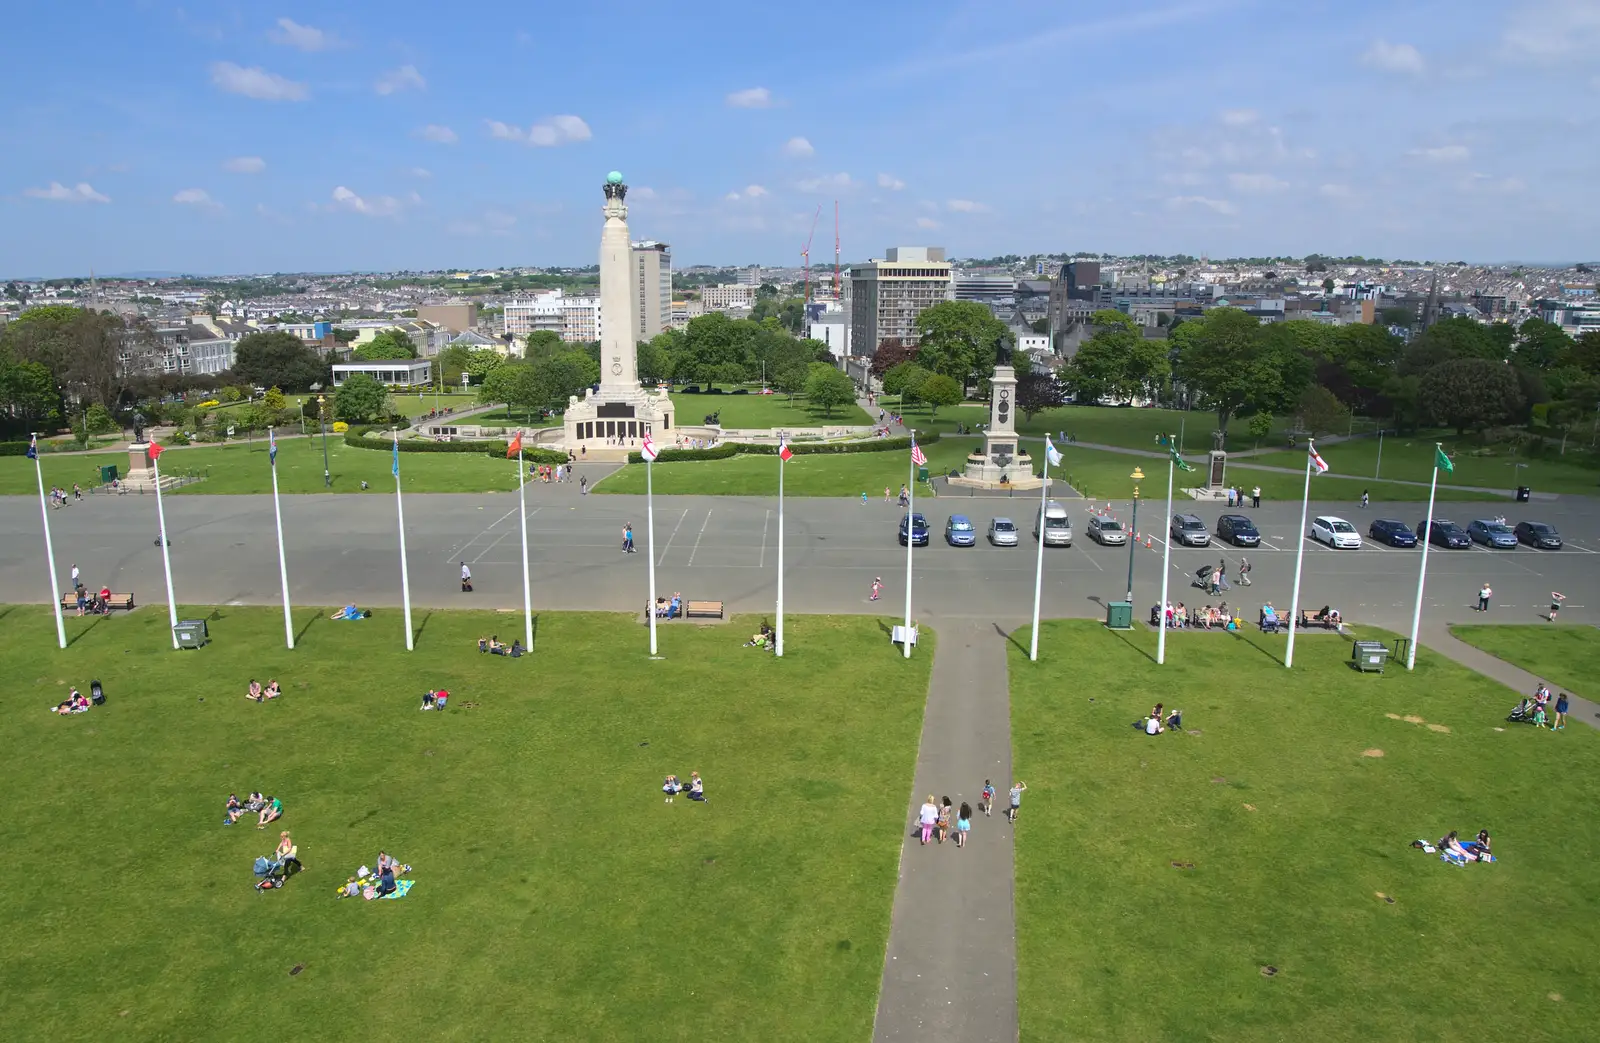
(918, 524)
(1442, 533)
(1491, 533)
(1392, 531)
(958, 532)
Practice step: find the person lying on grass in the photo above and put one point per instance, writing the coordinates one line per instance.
(233, 810)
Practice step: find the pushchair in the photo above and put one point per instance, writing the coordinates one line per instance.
(275, 874)
(1528, 711)
(1202, 576)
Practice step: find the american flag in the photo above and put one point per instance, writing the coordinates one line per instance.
(917, 456)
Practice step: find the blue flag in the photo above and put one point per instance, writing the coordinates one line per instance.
(33, 448)
(396, 456)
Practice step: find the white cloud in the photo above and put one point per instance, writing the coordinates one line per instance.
(196, 197)
(890, 182)
(798, 147)
(82, 192)
(1220, 206)
(548, 133)
(1240, 117)
(927, 222)
(1256, 184)
(826, 183)
(642, 192)
(422, 172)
(1335, 191)
(377, 206)
(1443, 154)
(965, 206)
(256, 82)
(754, 191)
(733, 197)
(437, 133)
(751, 98)
(304, 37)
(404, 78)
(1394, 57)
(245, 165)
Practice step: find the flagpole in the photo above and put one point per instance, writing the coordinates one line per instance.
(779, 645)
(1038, 568)
(1422, 573)
(527, 589)
(405, 572)
(49, 549)
(1299, 557)
(650, 544)
(283, 566)
(1166, 561)
(911, 538)
(166, 556)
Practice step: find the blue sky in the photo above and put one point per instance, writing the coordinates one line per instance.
(252, 138)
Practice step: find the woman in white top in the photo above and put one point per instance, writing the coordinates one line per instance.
(928, 818)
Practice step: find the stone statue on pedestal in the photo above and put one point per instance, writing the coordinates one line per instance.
(138, 426)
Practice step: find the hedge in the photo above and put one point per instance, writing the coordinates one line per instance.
(14, 448)
(357, 438)
(730, 449)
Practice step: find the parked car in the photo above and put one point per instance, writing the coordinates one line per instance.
(1444, 533)
(1538, 534)
(1002, 532)
(958, 532)
(1335, 532)
(1392, 531)
(918, 524)
(1107, 532)
(1238, 530)
(1189, 531)
(1491, 533)
(1056, 527)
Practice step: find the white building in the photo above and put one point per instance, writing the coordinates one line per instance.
(580, 319)
(832, 328)
(394, 373)
(542, 311)
(728, 295)
(652, 288)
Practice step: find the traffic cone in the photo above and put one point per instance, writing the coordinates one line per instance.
(1147, 544)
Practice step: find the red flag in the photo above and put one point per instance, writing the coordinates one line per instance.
(515, 447)
(155, 451)
(784, 452)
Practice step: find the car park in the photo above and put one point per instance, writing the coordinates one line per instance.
(1442, 532)
(1392, 531)
(1538, 534)
(1002, 532)
(1055, 525)
(958, 532)
(1108, 532)
(1335, 532)
(1491, 533)
(1238, 530)
(1189, 531)
(918, 524)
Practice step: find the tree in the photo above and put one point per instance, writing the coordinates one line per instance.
(389, 344)
(273, 399)
(451, 363)
(1118, 363)
(1227, 360)
(904, 380)
(655, 364)
(100, 420)
(828, 387)
(1327, 285)
(1397, 315)
(1260, 427)
(1038, 391)
(361, 399)
(791, 379)
(1541, 345)
(542, 343)
(959, 339)
(29, 398)
(1470, 392)
(278, 360)
(1457, 338)
(1321, 411)
(939, 390)
(559, 377)
(483, 361)
(891, 352)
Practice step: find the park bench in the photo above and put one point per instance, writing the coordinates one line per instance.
(704, 610)
(115, 601)
(1310, 622)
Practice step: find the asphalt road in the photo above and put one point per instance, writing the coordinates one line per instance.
(345, 548)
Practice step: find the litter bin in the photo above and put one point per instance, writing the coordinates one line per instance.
(1369, 656)
(922, 474)
(1524, 494)
(191, 633)
(1119, 615)
(108, 473)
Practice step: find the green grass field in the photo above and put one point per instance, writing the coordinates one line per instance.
(1569, 656)
(1410, 458)
(557, 897)
(1296, 828)
(763, 411)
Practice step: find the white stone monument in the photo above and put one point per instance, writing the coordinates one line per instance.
(609, 422)
(1003, 463)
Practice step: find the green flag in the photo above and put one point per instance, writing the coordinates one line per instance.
(1178, 461)
(1441, 461)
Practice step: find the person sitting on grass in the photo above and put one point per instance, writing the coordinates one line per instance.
(495, 647)
(1484, 843)
(253, 693)
(517, 651)
(1174, 721)
(428, 699)
(483, 644)
(1152, 724)
(272, 690)
(671, 787)
(697, 787)
(386, 884)
(271, 811)
(391, 864)
(231, 813)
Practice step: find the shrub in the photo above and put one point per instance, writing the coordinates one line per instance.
(340, 427)
(179, 438)
(209, 403)
(14, 448)
(731, 449)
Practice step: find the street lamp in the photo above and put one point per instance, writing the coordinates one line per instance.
(1379, 468)
(1137, 476)
(322, 418)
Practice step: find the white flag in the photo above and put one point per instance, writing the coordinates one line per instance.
(1051, 452)
(647, 449)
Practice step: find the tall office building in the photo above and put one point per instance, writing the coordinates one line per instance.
(887, 296)
(652, 288)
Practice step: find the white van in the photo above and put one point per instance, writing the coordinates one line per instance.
(1057, 526)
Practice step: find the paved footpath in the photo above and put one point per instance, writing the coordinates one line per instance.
(1437, 637)
(951, 968)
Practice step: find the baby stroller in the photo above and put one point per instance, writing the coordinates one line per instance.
(275, 874)
(1528, 711)
(1202, 576)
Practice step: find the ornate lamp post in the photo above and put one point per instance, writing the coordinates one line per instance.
(322, 418)
(1137, 476)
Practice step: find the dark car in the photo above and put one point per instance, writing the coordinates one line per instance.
(1538, 534)
(1392, 531)
(1238, 530)
(1443, 533)
(1491, 533)
(919, 529)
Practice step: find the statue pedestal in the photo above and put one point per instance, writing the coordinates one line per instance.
(139, 458)
(1219, 470)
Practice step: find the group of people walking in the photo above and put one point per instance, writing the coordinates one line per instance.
(936, 818)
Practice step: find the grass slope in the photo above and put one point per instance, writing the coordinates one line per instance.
(557, 897)
(1411, 459)
(1568, 656)
(1293, 833)
(763, 411)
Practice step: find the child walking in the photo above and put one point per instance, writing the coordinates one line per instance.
(1560, 724)
(987, 803)
(944, 820)
(963, 824)
(877, 588)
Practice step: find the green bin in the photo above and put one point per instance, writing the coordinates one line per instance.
(1119, 615)
(108, 473)
(922, 474)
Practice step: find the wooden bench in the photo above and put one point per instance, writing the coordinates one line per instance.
(1309, 622)
(117, 601)
(703, 610)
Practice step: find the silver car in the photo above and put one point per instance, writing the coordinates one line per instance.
(1107, 531)
(1002, 532)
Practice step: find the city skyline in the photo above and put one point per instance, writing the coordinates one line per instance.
(376, 138)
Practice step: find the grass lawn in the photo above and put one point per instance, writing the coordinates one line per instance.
(763, 411)
(1568, 655)
(1296, 829)
(1410, 458)
(512, 418)
(557, 897)
(408, 405)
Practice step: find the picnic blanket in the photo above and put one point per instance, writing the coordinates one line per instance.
(367, 886)
(401, 889)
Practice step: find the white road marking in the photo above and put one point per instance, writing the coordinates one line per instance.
(490, 547)
(457, 552)
(699, 535)
(674, 535)
(764, 522)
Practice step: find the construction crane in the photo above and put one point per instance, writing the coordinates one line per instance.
(805, 255)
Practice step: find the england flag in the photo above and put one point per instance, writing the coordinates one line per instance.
(647, 449)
